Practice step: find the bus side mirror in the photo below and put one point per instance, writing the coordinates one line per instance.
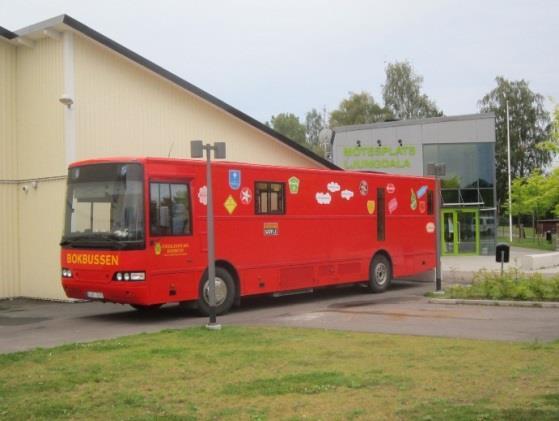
(502, 253)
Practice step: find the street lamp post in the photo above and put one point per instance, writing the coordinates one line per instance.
(509, 174)
(438, 170)
(197, 149)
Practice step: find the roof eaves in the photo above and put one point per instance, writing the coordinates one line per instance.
(6, 33)
(102, 39)
(414, 122)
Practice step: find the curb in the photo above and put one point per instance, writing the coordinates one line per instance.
(540, 304)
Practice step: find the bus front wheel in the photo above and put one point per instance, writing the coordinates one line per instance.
(224, 292)
(380, 273)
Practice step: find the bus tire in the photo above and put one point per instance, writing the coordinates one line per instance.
(380, 274)
(224, 291)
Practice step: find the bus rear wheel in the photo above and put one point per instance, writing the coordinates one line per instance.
(224, 292)
(380, 274)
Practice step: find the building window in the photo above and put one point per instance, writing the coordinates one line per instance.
(169, 210)
(270, 198)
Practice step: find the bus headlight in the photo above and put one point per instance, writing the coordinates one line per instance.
(66, 273)
(138, 276)
(129, 276)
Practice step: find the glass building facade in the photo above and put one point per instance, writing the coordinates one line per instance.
(468, 216)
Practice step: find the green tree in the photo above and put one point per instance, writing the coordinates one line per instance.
(288, 124)
(529, 127)
(359, 108)
(536, 195)
(552, 144)
(402, 93)
(314, 124)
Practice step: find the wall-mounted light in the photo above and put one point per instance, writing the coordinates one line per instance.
(66, 100)
(400, 142)
(358, 142)
(379, 143)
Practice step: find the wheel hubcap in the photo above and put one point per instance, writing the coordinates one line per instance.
(381, 274)
(220, 291)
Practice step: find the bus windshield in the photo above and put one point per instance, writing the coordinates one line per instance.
(104, 207)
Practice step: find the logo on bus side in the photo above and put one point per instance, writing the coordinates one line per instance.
(371, 205)
(234, 179)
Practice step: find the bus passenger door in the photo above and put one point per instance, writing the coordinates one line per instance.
(169, 248)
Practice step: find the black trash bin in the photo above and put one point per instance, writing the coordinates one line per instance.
(548, 236)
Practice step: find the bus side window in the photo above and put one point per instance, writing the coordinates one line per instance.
(270, 198)
(169, 209)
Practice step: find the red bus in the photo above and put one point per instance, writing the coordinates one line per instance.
(135, 230)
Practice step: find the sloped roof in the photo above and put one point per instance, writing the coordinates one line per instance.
(61, 21)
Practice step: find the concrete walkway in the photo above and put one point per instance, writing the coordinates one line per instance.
(462, 268)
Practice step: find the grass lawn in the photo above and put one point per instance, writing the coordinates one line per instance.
(531, 241)
(282, 373)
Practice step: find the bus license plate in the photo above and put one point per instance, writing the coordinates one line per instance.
(95, 295)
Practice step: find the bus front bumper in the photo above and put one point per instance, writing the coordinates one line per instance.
(115, 292)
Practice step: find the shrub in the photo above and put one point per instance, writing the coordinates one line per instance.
(511, 285)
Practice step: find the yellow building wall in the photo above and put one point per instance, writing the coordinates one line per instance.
(121, 108)
(41, 153)
(124, 109)
(9, 247)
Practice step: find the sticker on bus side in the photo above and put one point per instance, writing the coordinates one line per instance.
(271, 229)
(363, 188)
(230, 204)
(346, 194)
(246, 196)
(333, 187)
(203, 195)
(293, 185)
(235, 179)
(392, 205)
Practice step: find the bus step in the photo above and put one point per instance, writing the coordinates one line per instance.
(298, 291)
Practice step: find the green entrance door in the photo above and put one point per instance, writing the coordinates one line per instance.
(460, 231)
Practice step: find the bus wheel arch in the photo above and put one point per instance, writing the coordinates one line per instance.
(380, 272)
(226, 290)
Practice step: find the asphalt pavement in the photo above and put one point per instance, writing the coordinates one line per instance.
(404, 309)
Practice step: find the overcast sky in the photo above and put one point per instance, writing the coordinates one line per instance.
(265, 57)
